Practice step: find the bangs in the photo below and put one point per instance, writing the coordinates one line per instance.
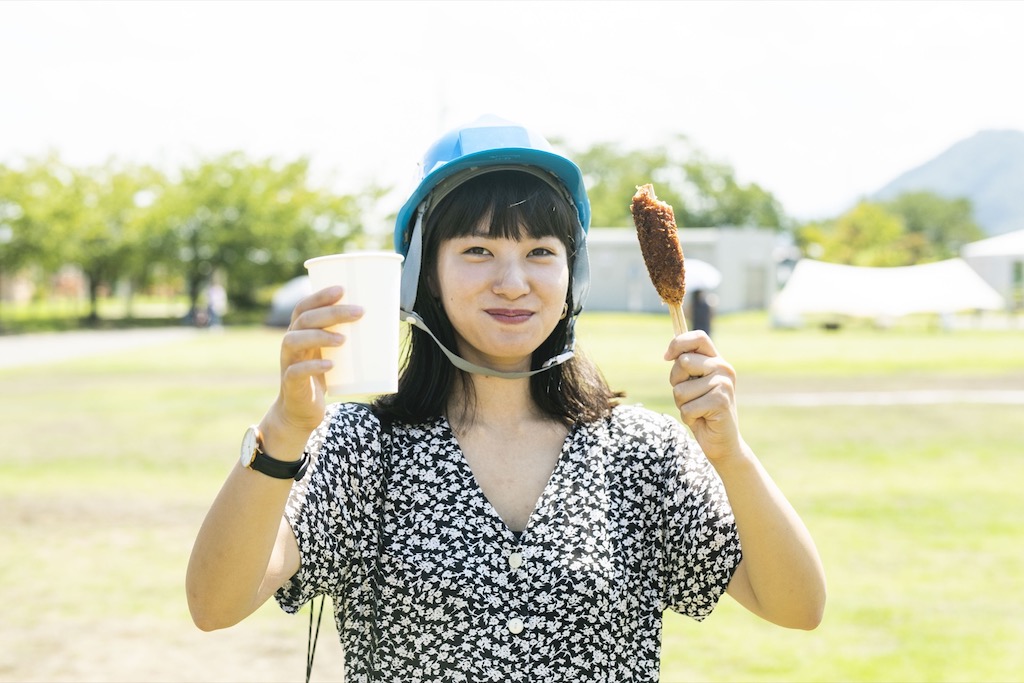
(504, 204)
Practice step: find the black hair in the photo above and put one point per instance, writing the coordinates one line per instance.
(517, 204)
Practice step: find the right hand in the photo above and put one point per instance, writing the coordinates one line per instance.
(301, 403)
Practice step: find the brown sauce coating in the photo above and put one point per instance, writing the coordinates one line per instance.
(659, 243)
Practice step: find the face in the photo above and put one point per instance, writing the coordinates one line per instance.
(503, 296)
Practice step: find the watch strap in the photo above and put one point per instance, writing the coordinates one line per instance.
(280, 469)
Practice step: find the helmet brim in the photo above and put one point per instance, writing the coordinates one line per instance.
(563, 169)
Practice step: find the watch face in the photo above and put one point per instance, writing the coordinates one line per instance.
(249, 443)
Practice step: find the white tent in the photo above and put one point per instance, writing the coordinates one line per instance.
(1007, 244)
(999, 261)
(943, 287)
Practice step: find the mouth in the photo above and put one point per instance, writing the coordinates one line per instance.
(510, 316)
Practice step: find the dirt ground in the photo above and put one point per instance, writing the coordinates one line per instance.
(146, 649)
(68, 617)
(102, 599)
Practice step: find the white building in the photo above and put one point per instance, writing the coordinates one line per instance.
(999, 261)
(744, 256)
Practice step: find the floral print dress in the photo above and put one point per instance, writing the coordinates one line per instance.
(429, 584)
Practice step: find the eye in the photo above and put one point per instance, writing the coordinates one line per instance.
(475, 251)
(546, 247)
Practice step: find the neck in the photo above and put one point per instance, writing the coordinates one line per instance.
(493, 401)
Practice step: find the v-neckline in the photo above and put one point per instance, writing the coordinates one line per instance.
(556, 473)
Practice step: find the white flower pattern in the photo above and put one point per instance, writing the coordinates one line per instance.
(429, 584)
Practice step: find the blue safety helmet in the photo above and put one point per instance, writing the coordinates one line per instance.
(486, 145)
(487, 142)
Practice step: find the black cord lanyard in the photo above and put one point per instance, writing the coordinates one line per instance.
(313, 637)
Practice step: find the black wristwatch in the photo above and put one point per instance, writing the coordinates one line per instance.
(255, 458)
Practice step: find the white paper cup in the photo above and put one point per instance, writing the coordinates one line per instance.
(367, 363)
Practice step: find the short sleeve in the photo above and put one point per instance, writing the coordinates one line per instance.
(330, 508)
(701, 544)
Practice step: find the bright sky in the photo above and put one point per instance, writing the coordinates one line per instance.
(820, 103)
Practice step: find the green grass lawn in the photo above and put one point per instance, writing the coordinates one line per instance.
(109, 463)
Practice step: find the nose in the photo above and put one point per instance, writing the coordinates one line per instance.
(511, 280)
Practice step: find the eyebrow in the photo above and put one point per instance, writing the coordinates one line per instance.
(524, 237)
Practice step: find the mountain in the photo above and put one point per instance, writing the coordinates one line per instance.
(987, 168)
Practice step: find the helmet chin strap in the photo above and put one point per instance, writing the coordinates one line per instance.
(410, 284)
(472, 368)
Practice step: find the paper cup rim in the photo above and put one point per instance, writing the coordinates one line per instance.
(353, 255)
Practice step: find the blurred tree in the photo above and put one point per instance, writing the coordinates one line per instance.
(942, 225)
(110, 227)
(702, 193)
(254, 221)
(16, 246)
(12, 246)
(867, 235)
(145, 263)
(33, 214)
(722, 200)
(918, 227)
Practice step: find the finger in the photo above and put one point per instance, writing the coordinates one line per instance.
(694, 376)
(299, 344)
(694, 365)
(718, 386)
(696, 341)
(297, 375)
(693, 408)
(327, 316)
(323, 297)
(691, 366)
(715, 427)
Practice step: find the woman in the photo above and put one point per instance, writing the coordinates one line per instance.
(500, 517)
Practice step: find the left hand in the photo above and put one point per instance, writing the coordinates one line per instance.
(704, 389)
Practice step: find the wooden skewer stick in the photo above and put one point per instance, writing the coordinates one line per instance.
(678, 319)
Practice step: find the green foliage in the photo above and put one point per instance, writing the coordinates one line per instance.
(867, 235)
(915, 227)
(107, 225)
(254, 221)
(944, 225)
(35, 213)
(250, 222)
(703, 193)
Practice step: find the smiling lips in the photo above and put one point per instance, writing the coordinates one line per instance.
(513, 316)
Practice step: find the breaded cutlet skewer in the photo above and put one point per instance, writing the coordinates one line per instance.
(659, 243)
